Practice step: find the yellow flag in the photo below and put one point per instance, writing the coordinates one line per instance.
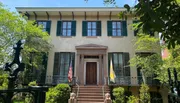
(112, 74)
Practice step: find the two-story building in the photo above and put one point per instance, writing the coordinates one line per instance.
(90, 38)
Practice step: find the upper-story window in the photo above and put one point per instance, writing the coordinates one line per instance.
(91, 28)
(66, 28)
(46, 25)
(117, 28)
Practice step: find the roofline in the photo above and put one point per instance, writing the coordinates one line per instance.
(70, 8)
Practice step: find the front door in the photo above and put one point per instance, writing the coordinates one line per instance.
(91, 73)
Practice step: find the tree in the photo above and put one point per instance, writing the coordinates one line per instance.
(144, 94)
(14, 27)
(160, 16)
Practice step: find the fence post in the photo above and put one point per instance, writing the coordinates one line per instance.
(107, 98)
(72, 98)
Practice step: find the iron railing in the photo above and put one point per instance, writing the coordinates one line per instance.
(130, 81)
(47, 80)
(149, 80)
(121, 80)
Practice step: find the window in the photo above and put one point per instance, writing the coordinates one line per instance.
(46, 25)
(62, 62)
(120, 63)
(91, 28)
(116, 28)
(121, 67)
(150, 79)
(66, 28)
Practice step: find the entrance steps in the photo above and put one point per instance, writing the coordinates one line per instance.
(91, 94)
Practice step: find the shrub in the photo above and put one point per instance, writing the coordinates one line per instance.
(58, 94)
(132, 99)
(33, 83)
(118, 94)
(144, 94)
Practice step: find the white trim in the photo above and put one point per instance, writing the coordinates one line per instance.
(91, 60)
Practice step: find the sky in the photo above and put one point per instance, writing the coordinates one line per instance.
(61, 3)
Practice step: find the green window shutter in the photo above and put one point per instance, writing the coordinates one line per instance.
(73, 28)
(109, 61)
(59, 28)
(135, 31)
(84, 28)
(56, 69)
(124, 28)
(48, 27)
(98, 32)
(109, 28)
(73, 62)
(126, 64)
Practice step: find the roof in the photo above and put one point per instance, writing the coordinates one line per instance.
(70, 10)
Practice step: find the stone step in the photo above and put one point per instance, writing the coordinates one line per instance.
(90, 100)
(90, 94)
(90, 97)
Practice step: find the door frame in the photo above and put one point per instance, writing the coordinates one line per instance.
(91, 60)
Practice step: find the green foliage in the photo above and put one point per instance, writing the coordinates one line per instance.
(33, 83)
(3, 80)
(160, 16)
(147, 43)
(58, 94)
(118, 93)
(14, 27)
(156, 16)
(144, 94)
(133, 99)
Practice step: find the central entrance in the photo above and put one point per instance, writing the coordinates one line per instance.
(91, 73)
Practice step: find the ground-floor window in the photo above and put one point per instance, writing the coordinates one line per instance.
(156, 97)
(62, 62)
(120, 65)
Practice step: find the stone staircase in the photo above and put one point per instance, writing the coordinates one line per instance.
(91, 94)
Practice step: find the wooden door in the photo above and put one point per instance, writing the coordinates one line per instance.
(91, 73)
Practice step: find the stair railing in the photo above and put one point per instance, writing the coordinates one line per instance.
(77, 86)
(103, 87)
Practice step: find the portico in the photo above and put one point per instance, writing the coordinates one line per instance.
(91, 61)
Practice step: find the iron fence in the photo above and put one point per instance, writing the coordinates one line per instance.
(130, 81)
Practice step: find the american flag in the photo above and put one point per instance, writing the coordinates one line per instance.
(70, 72)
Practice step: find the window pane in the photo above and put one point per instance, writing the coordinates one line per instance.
(44, 29)
(44, 24)
(120, 60)
(119, 32)
(64, 32)
(118, 24)
(114, 24)
(93, 24)
(93, 32)
(69, 25)
(68, 32)
(64, 25)
(116, 67)
(114, 33)
(89, 25)
(89, 32)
